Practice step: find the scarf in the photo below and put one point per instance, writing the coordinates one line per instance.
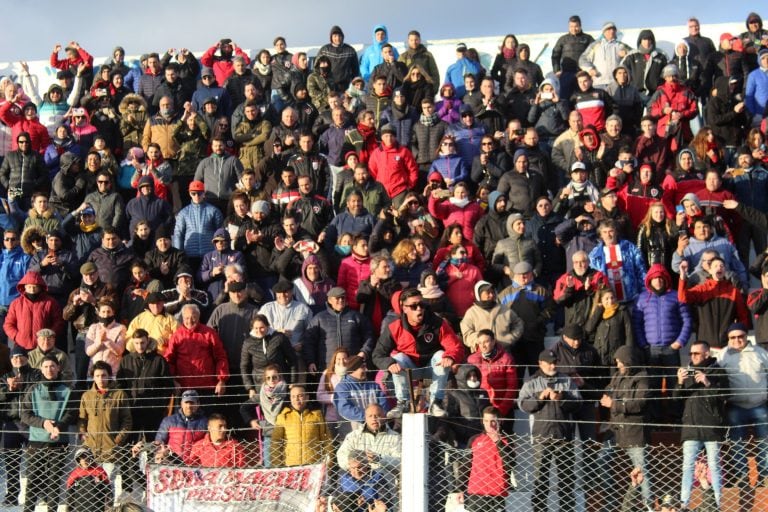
(264, 69)
(508, 53)
(459, 203)
(431, 292)
(365, 131)
(272, 399)
(429, 120)
(318, 290)
(88, 228)
(610, 311)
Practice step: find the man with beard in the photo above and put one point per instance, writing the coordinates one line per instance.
(314, 210)
(220, 173)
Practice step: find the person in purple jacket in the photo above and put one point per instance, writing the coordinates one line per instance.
(662, 325)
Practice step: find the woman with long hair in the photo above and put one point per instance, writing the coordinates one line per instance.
(504, 59)
(329, 379)
(657, 237)
(461, 278)
(264, 347)
(709, 154)
(417, 86)
(448, 163)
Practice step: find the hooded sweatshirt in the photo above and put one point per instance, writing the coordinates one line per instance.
(645, 65)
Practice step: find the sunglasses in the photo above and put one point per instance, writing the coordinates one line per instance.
(10, 239)
(272, 377)
(195, 193)
(102, 182)
(414, 307)
(23, 142)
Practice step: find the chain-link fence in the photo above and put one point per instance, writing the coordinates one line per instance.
(512, 473)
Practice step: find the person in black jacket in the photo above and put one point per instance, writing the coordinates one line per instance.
(701, 386)
(464, 404)
(492, 227)
(727, 116)
(264, 347)
(566, 53)
(344, 64)
(13, 385)
(337, 326)
(627, 398)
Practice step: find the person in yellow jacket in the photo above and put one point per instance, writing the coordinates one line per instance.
(159, 324)
(301, 435)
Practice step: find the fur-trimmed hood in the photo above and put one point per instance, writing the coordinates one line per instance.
(26, 238)
(132, 98)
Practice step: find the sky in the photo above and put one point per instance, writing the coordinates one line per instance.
(196, 24)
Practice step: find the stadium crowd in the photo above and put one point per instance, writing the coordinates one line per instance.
(201, 251)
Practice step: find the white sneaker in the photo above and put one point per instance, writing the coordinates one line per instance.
(397, 411)
(436, 410)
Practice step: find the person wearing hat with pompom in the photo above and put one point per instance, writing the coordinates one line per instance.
(88, 485)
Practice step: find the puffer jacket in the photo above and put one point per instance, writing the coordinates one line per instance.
(257, 353)
(13, 267)
(181, 432)
(330, 329)
(660, 319)
(552, 419)
(113, 264)
(353, 271)
(11, 400)
(632, 272)
(450, 213)
(611, 334)
(426, 140)
(197, 357)
(583, 361)
(105, 421)
(299, 438)
(522, 189)
(703, 407)
(194, 229)
(24, 171)
(161, 130)
(630, 393)
(499, 378)
(489, 230)
(568, 49)
(451, 167)
(467, 139)
(514, 249)
(146, 379)
(25, 317)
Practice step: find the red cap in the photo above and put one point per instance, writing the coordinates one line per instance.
(435, 176)
(727, 36)
(197, 186)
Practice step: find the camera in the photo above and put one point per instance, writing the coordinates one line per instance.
(520, 132)
(690, 371)
(547, 96)
(15, 193)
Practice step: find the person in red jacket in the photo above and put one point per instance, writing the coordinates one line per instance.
(222, 63)
(422, 341)
(76, 55)
(457, 209)
(499, 376)
(393, 166)
(31, 311)
(490, 476)
(215, 450)
(26, 122)
(636, 191)
(196, 355)
(673, 106)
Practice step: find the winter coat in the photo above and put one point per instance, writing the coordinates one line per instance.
(692, 254)
(465, 405)
(610, 334)
(426, 140)
(112, 351)
(228, 454)
(680, 99)
(451, 167)
(460, 285)
(352, 271)
(395, 168)
(275, 348)
(568, 50)
(549, 118)
(522, 189)
(660, 319)
(632, 273)
(489, 230)
(197, 357)
(13, 267)
(433, 335)
(750, 186)
(583, 361)
(105, 420)
(498, 378)
(577, 300)
(746, 370)
(756, 92)
(602, 56)
(251, 135)
(24, 171)
(467, 139)
(146, 380)
(535, 307)
(717, 304)
(220, 175)
(630, 393)
(26, 317)
(344, 65)
(421, 57)
(114, 265)
(161, 131)
(195, 226)
(331, 329)
(514, 249)
(222, 65)
(351, 397)
(492, 464)
(551, 418)
(300, 438)
(466, 216)
(47, 400)
(595, 105)
(704, 416)
(181, 432)
(727, 124)
(645, 66)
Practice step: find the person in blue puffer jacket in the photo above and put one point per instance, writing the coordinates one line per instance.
(195, 225)
(372, 55)
(448, 163)
(662, 325)
(467, 133)
(354, 393)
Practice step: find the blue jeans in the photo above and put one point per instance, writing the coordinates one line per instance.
(691, 450)
(434, 371)
(738, 417)
(605, 464)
